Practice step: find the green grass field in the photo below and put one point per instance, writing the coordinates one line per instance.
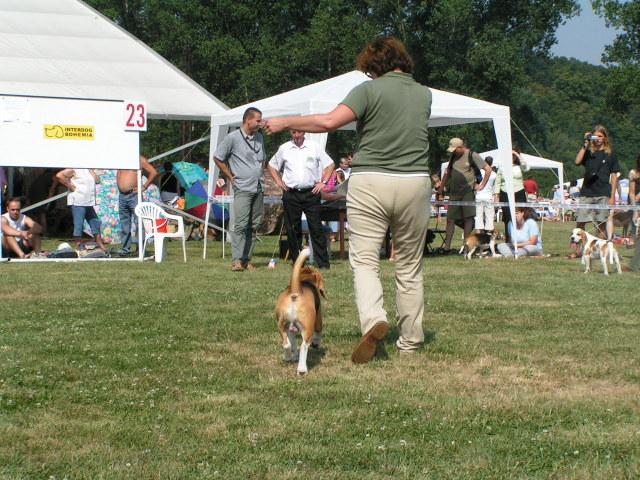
(173, 371)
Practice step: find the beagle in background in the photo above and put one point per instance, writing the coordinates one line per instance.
(298, 310)
(592, 246)
(479, 242)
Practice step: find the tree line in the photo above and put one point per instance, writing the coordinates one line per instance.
(495, 50)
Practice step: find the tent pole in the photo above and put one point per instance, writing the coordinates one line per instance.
(178, 149)
(502, 127)
(214, 137)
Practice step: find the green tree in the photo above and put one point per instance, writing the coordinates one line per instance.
(242, 51)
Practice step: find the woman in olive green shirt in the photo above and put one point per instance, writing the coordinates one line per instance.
(389, 187)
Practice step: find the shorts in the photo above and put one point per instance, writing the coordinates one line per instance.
(459, 212)
(585, 215)
(24, 246)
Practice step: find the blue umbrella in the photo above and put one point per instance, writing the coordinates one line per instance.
(188, 173)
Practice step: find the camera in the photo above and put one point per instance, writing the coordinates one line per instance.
(593, 137)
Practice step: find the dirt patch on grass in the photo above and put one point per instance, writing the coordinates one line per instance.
(493, 382)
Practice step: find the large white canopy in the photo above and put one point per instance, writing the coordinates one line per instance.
(322, 97)
(534, 162)
(66, 49)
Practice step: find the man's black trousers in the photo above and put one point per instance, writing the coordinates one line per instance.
(295, 202)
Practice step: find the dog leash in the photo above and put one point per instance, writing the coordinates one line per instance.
(272, 262)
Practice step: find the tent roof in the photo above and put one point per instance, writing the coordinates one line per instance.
(67, 49)
(531, 160)
(322, 97)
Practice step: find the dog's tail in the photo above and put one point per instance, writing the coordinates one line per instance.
(295, 284)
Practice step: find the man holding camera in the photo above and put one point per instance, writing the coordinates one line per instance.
(600, 180)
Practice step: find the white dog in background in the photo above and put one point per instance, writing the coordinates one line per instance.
(592, 245)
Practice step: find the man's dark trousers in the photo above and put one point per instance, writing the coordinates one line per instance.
(295, 202)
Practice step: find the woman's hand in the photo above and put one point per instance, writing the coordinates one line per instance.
(274, 125)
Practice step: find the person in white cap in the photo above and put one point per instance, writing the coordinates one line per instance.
(460, 181)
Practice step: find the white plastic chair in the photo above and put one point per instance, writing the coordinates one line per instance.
(149, 213)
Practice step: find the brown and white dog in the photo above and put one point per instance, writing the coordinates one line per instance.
(478, 242)
(624, 220)
(298, 309)
(593, 245)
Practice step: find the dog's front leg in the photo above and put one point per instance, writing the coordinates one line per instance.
(586, 259)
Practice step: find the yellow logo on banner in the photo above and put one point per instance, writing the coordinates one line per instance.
(69, 132)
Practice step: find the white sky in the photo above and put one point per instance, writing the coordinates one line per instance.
(583, 37)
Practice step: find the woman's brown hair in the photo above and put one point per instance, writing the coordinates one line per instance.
(384, 55)
(528, 212)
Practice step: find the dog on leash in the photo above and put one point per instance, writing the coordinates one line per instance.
(298, 310)
(624, 220)
(479, 242)
(592, 245)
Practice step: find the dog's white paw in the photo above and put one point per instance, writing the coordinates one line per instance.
(302, 371)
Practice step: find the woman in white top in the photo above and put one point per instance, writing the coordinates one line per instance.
(519, 193)
(485, 211)
(81, 183)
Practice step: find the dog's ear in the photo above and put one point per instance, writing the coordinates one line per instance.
(583, 235)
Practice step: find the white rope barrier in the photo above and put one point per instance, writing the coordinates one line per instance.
(273, 200)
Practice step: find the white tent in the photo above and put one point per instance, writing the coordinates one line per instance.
(532, 162)
(67, 49)
(535, 163)
(322, 97)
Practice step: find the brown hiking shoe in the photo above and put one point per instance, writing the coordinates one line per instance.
(366, 347)
(237, 267)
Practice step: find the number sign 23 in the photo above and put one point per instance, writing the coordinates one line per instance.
(135, 116)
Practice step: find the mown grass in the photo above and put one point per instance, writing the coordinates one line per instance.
(128, 370)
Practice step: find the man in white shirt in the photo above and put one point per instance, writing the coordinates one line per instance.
(20, 234)
(305, 168)
(485, 211)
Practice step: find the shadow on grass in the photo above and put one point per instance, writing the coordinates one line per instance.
(315, 356)
(392, 336)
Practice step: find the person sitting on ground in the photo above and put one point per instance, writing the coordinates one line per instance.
(20, 234)
(344, 170)
(525, 237)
